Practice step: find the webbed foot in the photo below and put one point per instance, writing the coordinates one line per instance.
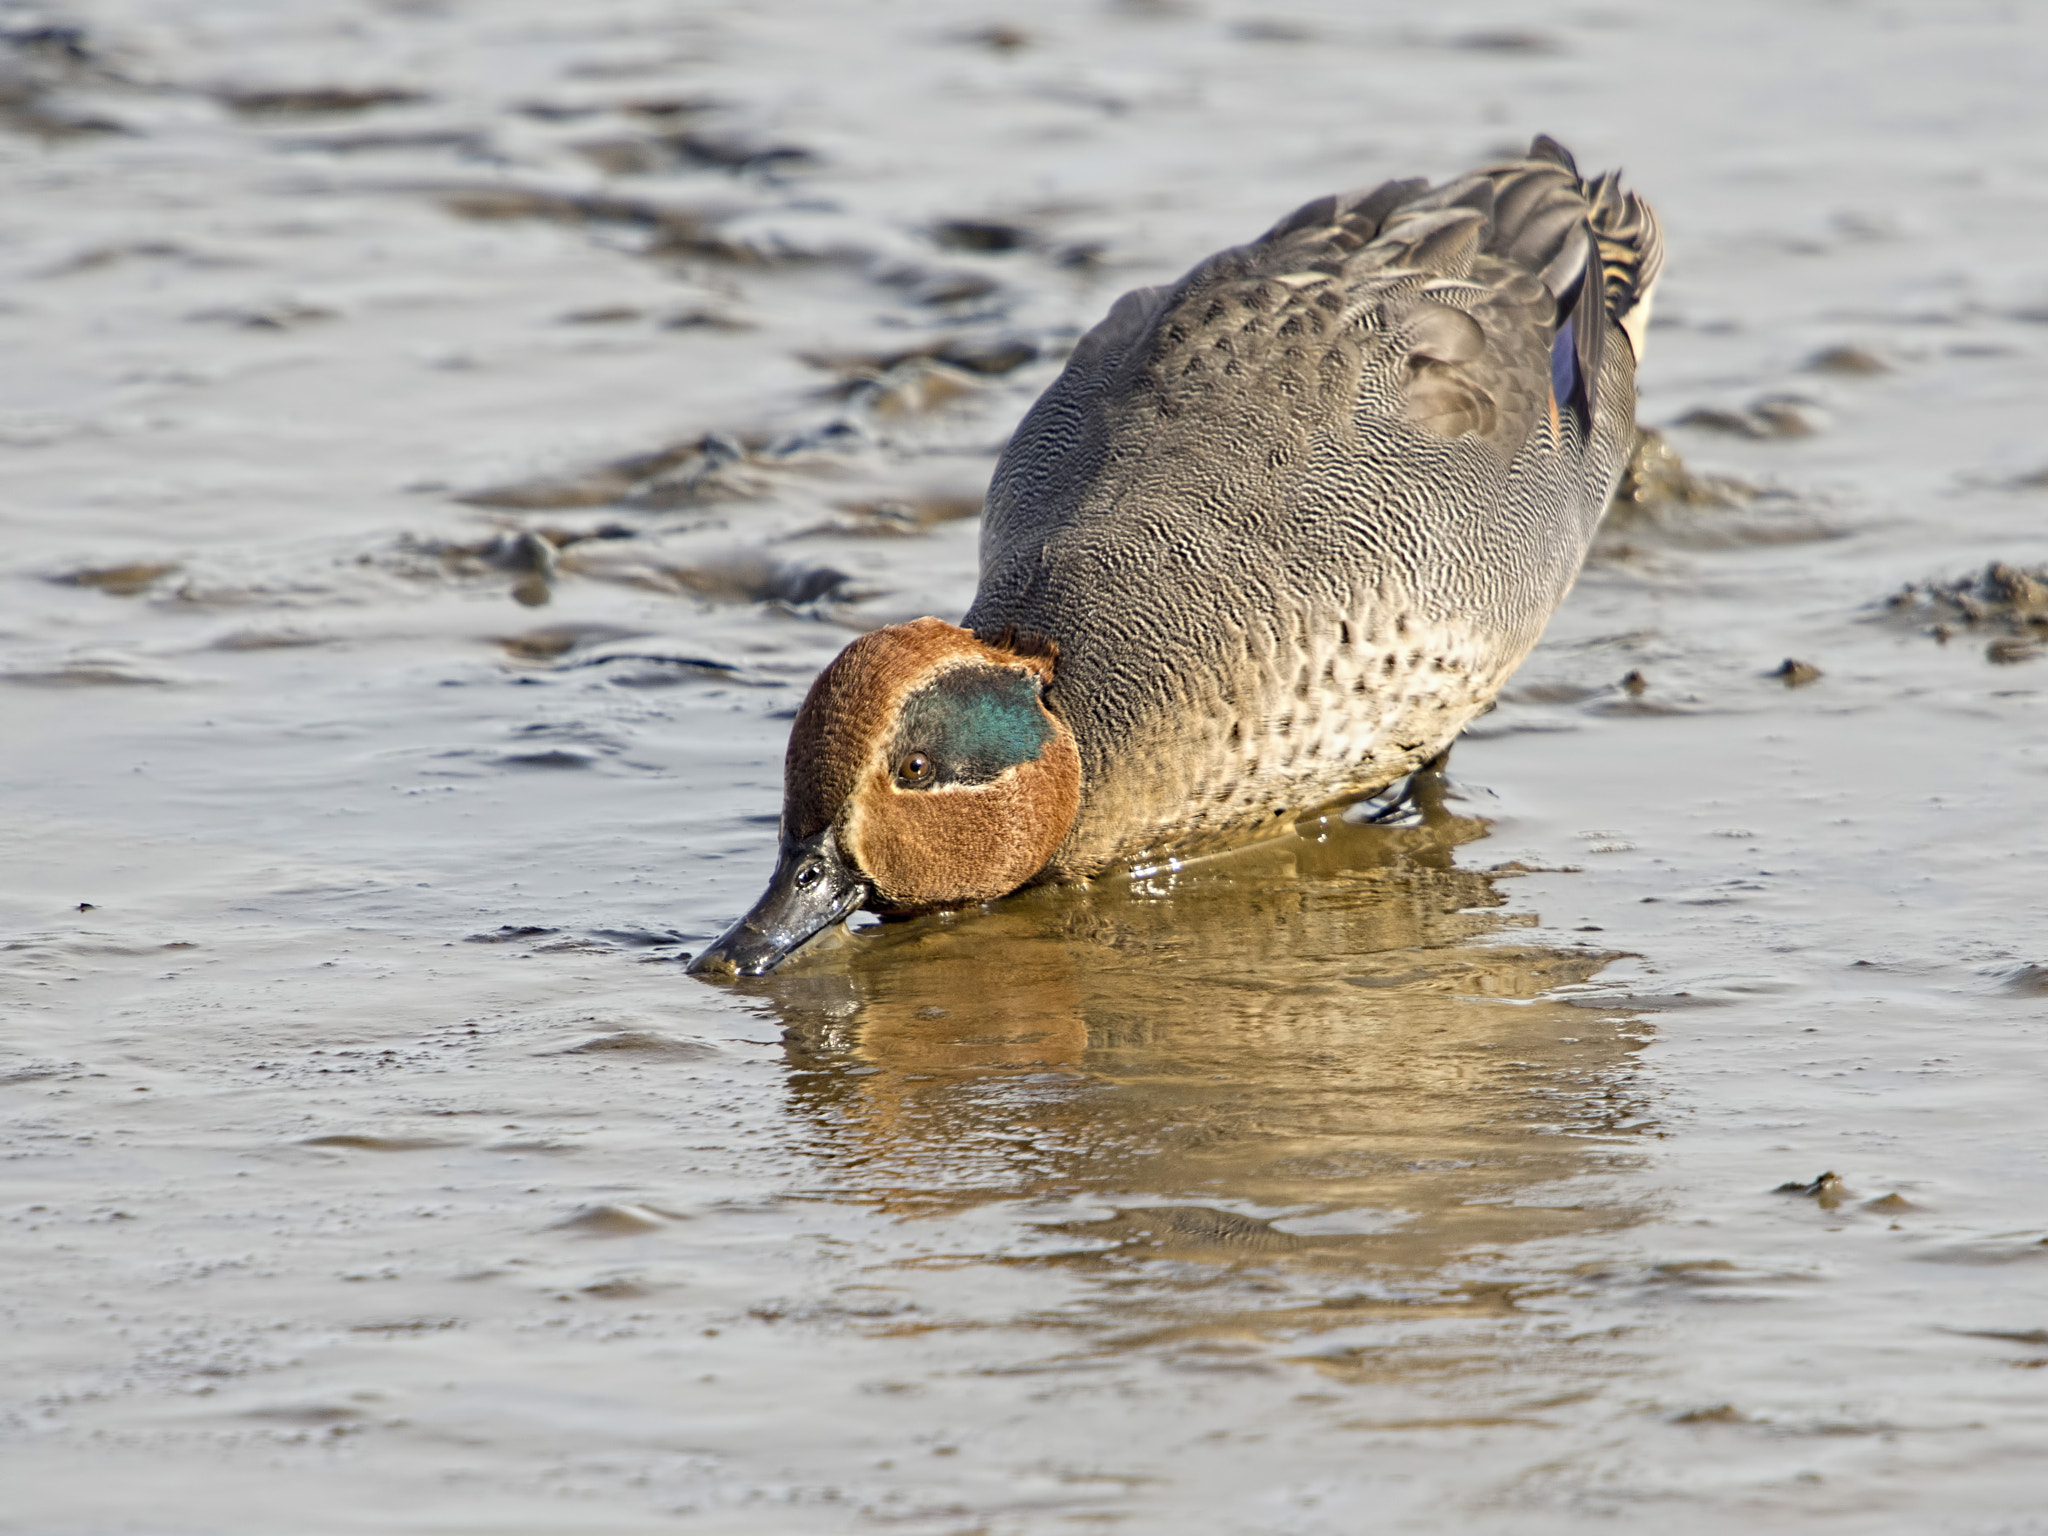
(1414, 801)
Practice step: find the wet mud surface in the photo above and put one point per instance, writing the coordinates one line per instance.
(444, 442)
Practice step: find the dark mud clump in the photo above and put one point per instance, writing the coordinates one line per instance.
(668, 148)
(1657, 482)
(90, 671)
(671, 231)
(921, 380)
(467, 141)
(553, 641)
(284, 315)
(917, 389)
(1720, 1413)
(40, 60)
(1505, 40)
(2028, 981)
(998, 38)
(712, 468)
(2007, 604)
(939, 289)
(1828, 1191)
(532, 556)
(1796, 674)
(894, 517)
(528, 555)
(880, 376)
(1660, 502)
(1848, 362)
(986, 235)
(737, 152)
(317, 100)
(120, 580)
(1271, 31)
(748, 577)
(701, 317)
(717, 468)
(1772, 416)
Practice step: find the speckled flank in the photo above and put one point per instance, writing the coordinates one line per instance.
(1315, 722)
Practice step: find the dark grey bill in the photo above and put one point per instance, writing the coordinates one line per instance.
(812, 888)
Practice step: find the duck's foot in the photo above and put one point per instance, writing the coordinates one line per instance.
(1414, 801)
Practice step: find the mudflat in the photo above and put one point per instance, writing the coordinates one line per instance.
(443, 441)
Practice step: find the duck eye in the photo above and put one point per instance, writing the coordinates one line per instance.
(808, 876)
(916, 768)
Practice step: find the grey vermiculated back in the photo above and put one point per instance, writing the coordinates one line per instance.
(1294, 519)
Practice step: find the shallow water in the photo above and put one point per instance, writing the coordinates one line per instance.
(370, 1163)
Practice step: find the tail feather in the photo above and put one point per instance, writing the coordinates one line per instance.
(1544, 147)
(1631, 255)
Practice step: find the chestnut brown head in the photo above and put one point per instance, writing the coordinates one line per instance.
(924, 770)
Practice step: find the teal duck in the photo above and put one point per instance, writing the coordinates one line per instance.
(1274, 535)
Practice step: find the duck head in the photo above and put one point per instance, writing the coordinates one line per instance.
(924, 770)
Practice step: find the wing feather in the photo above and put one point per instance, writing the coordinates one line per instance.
(1439, 309)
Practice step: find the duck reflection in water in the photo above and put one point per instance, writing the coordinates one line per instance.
(1333, 1031)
